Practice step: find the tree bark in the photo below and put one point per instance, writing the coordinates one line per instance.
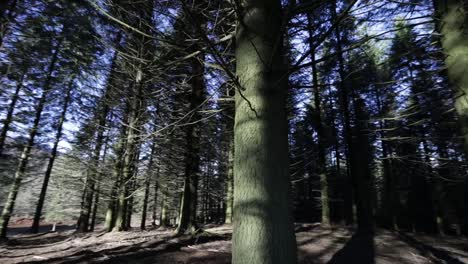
(263, 230)
(452, 27)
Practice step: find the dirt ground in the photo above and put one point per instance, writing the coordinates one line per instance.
(315, 245)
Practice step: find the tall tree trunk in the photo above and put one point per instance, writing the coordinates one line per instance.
(95, 207)
(188, 208)
(130, 153)
(362, 177)
(10, 111)
(321, 164)
(230, 184)
(155, 199)
(112, 207)
(145, 201)
(87, 202)
(149, 173)
(344, 99)
(98, 189)
(23, 161)
(50, 165)
(164, 221)
(453, 15)
(263, 226)
(389, 196)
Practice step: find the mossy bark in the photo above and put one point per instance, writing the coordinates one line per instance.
(263, 226)
(453, 26)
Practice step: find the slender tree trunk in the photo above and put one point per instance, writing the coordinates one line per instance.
(98, 189)
(188, 208)
(321, 164)
(362, 177)
(23, 161)
(230, 184)
(145, 202)
(130, 153)
(344, 98)
(109, 221)
(113, 206)
(10, 111)
(155, 199)
(263, 230)
(389, 197)
(83, 221)
(452, 27)
(95, 207)
(164, 221)
(50, 165)
(149, 173)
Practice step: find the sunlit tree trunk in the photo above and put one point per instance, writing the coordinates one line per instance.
(230, 184)
(263, 230)
(155, 199)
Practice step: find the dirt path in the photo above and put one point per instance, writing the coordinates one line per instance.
(315, 245)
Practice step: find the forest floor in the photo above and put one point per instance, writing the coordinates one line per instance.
(315, 245)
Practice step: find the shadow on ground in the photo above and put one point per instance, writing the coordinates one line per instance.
(359, 249)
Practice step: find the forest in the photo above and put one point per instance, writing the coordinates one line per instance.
(234, 131)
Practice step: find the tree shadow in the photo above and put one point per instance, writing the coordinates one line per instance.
(436, 254)
(136, 253)
(359, 249)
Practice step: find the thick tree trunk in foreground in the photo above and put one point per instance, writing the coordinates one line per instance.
(24, 158)
(263, 226)
(50, 165)
(452, 27)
